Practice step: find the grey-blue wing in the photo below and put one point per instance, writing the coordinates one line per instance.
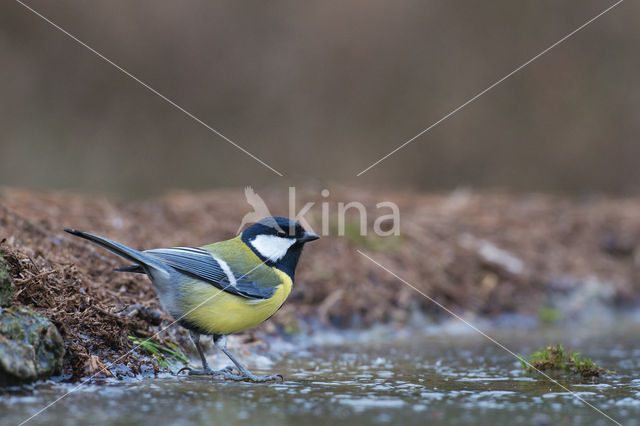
(200, 264)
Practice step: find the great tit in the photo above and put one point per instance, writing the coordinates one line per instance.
(221, 288)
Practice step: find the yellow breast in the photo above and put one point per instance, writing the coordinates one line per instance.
(219, 312)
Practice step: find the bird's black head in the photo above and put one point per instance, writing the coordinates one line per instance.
(278, 242)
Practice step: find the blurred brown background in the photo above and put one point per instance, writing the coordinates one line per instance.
(320, 90)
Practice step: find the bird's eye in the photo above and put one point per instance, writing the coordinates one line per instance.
(281, 234)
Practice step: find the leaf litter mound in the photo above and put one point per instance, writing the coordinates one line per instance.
(475, 253)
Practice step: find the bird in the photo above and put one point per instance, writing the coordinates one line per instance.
(221, 288)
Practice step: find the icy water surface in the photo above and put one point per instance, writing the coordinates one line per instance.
(445, 378)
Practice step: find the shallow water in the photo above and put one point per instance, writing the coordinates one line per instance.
(446, 376)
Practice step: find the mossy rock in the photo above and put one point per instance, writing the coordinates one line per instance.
(556, 359)
(6, 286)
(31, 347)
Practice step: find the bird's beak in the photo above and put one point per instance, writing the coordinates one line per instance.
(308, 236)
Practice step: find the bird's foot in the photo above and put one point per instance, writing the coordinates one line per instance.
(248, 377)
(207, 371)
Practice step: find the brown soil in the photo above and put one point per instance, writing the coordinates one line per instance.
(480, 253)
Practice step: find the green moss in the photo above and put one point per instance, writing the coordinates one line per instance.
(555, 359)
(164, 356)
(6, 286)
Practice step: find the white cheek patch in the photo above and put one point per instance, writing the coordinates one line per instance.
(272, 247)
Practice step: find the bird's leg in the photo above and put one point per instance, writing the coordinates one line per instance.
(206, 371)
(221, 343)
(196, 341)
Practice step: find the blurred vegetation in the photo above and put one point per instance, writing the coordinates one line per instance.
(319, 90)
(367, 240)
(164, 356)
(549, 315)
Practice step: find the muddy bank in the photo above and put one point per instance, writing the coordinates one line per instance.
(476, 253)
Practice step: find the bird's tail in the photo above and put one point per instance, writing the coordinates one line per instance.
(143, 263)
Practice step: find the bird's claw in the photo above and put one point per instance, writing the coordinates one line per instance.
(183, 369)
(253, 378)
(207, 371)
